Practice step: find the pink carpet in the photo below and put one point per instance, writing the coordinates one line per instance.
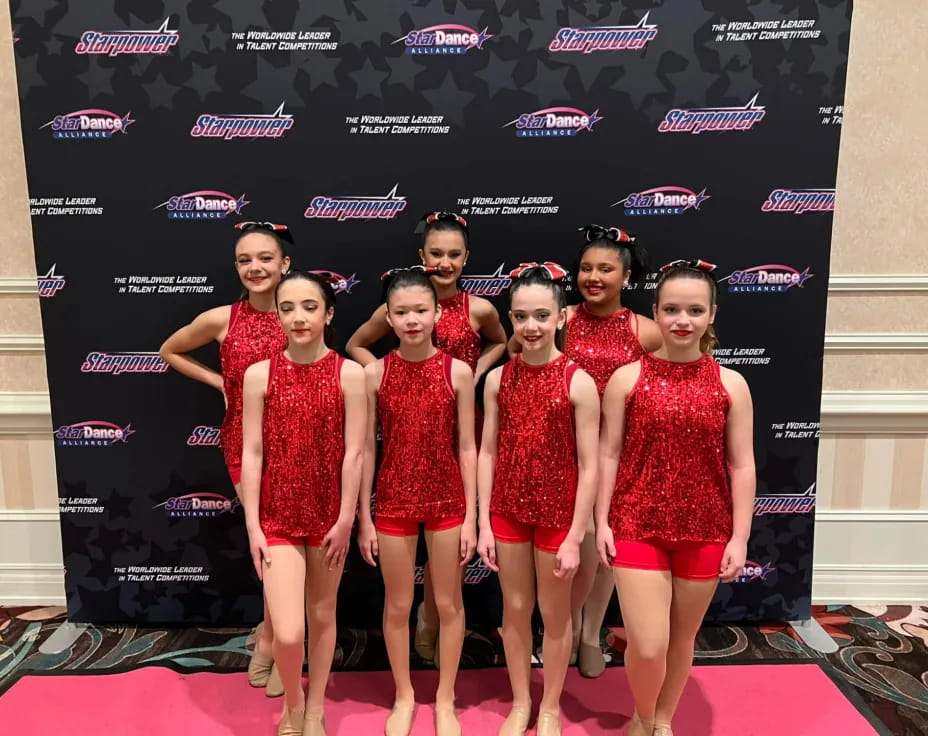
(728, 700)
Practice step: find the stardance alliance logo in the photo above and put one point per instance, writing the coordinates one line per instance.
(229, 127)
(754, 571)
(203, 205)
(799, 201)
(554, 122)
(51, 283)
(491, 284)
(343, 208)
(92, 433)
(698, 120)
(588, 39)
(662, 201)
(117, 43)
(199, 505)
(766, 279)
(340, 284)
(95, 124)
(448, 39)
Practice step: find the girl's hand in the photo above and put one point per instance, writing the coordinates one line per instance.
(367, 541)
(336, 542)
(468, 541)
(568, 560)
(605, 545)
(257, 543)
(486, 548)
(733, 559)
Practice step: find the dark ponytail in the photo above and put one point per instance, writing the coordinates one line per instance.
(632, 255)
(549, 275)
(328, 296)
(400, 278)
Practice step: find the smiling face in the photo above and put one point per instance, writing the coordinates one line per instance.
(445, 250)
(684, 311)
(412, 313)
(302, 311)
(601, 275)
(260, 262)
(535, 317)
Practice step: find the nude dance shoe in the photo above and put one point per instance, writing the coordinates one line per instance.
(291, 723)
(446, 722)
(274, 687)
(425, 640)
(662, 729)
(516, 723)
(259, 666)
(637, 727)
(549, 724)
(590, 661)
(399, 722)
(314, 724)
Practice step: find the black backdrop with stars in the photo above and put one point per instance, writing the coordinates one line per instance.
(117, 241)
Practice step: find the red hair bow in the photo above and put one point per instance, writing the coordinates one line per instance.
(697, 265)
(427, 270)
(555, 272)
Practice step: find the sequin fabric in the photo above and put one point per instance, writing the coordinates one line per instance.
(454, 334)
(252, 336)
(672, 483)
(304, 447)
(535, 479)
(601, 345)
(419, 476)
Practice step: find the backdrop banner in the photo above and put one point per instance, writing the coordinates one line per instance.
(709, 128)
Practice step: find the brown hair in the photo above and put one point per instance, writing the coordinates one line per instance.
(709, 341)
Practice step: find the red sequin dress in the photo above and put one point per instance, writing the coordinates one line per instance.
(304, 447)
(252, 336)
(672, 484)
(601, 345)
(419, 476)
(535, 479)
(454, 333)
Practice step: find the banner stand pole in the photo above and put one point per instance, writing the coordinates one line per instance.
(62, 638)
(811, 632)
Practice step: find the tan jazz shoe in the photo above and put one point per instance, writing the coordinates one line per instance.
(259, 666)
(274, 687)
(291, 723)
(425, 638)
(446, 722)
(549, 724)
(637, 727)
(516, 723)
(314, 724)
(399, 722)
(662, 729)
(590, 661)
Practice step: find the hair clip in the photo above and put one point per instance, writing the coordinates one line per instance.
(552, 269)
(427, 270)
(282, 231)
(696, 265)
(616, 235)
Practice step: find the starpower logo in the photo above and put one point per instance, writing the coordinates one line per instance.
(97, 124)
(491, 284)
(765, 279)
(785, 503)
(799, 201)
(554, 122)
(588, 39)
(476, 572)
(228, 127)
(203, 205)
(128, 362)
(51, 283)
(698, 120)
(445, 39)
(92, 433)
(203, 436)
(116, 43)
(340, 284)
(754, 571)
(200, 505)
(662, 201)
(343, 208)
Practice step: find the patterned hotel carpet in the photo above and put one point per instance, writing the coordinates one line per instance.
(883, 653)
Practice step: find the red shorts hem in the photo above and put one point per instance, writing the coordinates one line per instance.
(278, 540)
(543, 538)
(395, 527)
(685, 560)
(235, 472)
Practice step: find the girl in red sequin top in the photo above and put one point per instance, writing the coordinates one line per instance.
(424, 401)
(537, 481)
(676, 496)
(469, 329)
(247, 331)
(305, 415)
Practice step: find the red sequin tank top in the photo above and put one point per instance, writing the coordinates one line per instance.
(672, 483)
(252, 336)
(454, 334)
(535, 479)
(601, 345)
(419, 476)
(304, 447)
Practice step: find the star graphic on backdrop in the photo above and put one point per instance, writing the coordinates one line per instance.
(99, 79)
(217, 39)
(53, 45)
(548, 84)
(35, 9)
(321, 70)
(640, 79)
(498, 75)
(203, 81)
(785, 67)
(73, 24)
(741, 83)
(242, 15)
(160, 93)
(27, 74)
(588, 66)
(194, 38)
(274, 84)
(448, 100)
(369, 80)
(729, 50)
(403, 70)
(780, 472)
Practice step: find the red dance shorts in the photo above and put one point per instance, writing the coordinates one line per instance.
(687, 560)
(235, 472)
(544, 538)
(277, 540)
(410, 527)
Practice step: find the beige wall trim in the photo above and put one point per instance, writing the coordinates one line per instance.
(21, 344)
(875, 412)
(18, 285)
(31, 567)
(875, 342)
(881, 282)
(25, 412)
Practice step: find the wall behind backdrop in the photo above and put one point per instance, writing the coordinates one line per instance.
(28, 485)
